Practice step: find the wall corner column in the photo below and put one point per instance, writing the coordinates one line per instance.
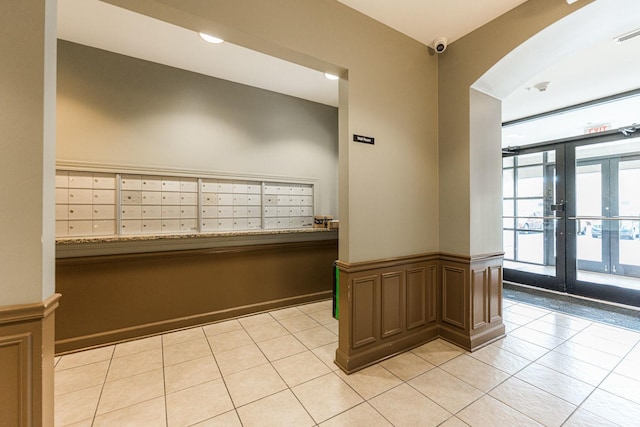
(27, 170)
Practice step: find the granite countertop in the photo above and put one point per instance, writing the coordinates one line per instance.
(180, 236)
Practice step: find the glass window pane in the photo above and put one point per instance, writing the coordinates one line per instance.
(507, 162)
(507, 183)
(530, 182)
(508, 210)
(530, 159)
(508, 244)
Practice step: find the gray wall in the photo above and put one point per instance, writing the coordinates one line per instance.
(118, 110)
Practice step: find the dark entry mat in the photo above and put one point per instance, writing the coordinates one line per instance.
(588, 309)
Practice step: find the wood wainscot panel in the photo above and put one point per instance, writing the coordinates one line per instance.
(26, 363)
(393, 306)
(112, 298)
(471, 285)
(386, 307)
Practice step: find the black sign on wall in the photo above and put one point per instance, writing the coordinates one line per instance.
(364, 139)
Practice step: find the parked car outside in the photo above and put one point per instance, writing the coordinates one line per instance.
(629, 230)
(534, 222)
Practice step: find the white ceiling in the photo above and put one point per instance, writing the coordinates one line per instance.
(603, 69)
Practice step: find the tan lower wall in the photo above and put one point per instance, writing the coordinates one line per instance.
(390, 306)
(26, 364)
(118, 297)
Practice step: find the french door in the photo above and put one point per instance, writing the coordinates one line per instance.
(572, 218)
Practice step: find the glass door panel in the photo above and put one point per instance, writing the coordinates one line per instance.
(529, 223)
(607, 191)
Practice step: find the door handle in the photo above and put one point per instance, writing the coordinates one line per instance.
(558, 207)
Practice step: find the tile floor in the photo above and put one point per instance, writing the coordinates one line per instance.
(276, 369)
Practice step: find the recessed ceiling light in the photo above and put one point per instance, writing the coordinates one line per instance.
(571, 1)
(331, 76)
(210, 39)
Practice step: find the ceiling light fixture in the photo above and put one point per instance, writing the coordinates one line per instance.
(331, 76)
(627, 36)
(210, 39)
(571, 1)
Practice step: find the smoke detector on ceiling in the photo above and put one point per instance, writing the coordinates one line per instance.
(540, 87)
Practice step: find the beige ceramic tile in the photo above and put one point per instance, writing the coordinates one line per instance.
(198, 403)
(552, 329)
(323, 317)
(253, 384)
(327, 353)
(590, 339)
(406, 365)
(239, 359)
(527, 310)
(521, 348)
(501, 359)
(361, 415)
(437, 352)
(187, 374)
(298, 323)
(300, 367)
(565, 321)
(184, 351)
(446, 390)
(404, 406)
(316, 337)
(228, 419)
(560, 385)
(326, 397)
(229, 340)
(334, 327)
(575, 368)
(371, 381)
(184, 335)
(86, 357)
(474, 372)
(589, 355)
(613, 408)
(326, 305)
(137, 346)
(454, 422)
(76, 406)
(135, 363)
(286, 313)
(83, 376)
(582, 418)
(516, 319)
(84, 423)
(537, 404)
(612, 333)
(543, 340)
(221, 327)
(146, 414)
(629, 367)
(256, 319)
(621, 386)
(266, 331)
(131, 390)
(488, 411)
(509, 327)
(281, 409)
(281, 347)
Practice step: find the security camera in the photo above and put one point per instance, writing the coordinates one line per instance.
(440, 44)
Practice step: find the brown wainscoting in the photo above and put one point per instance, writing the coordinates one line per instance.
(386, 307)
(393, 305)
(471, 300)
(114, 298)
(26, 363)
